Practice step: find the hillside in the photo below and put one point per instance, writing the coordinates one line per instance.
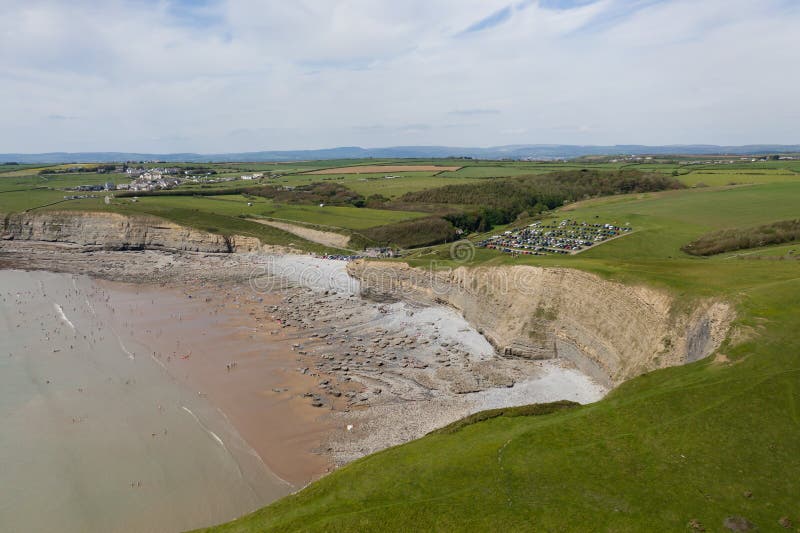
(674, 449)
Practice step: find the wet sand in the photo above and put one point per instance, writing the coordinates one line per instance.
(220, 342)
(96, 436)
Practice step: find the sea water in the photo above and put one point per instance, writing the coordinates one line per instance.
(95, 435)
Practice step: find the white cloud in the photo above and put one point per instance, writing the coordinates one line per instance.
(234, 75)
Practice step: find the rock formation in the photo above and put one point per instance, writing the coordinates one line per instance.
(610, 330)
(112, 231)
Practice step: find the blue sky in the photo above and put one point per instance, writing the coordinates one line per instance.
(237, 75)
(495, 19)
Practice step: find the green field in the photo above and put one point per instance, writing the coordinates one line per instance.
(23, 187)
(26, 189)
(342, 217)
(497, 171)
(236, 205)
(412, 181)
(700, 442)
(781, 251)
(726, 177)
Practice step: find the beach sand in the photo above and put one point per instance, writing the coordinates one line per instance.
(219, 341)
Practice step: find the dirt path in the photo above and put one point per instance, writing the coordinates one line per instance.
(325, 238)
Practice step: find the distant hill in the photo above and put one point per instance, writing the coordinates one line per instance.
(521, 151)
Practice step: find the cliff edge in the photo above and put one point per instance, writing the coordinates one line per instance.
(112, 231)
(609, 330)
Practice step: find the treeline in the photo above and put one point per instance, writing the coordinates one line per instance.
(313, 193)
(500, 201)
(730, 240)
(412, 233)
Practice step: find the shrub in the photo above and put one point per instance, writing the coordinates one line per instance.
(313, 193)
(729, 240)
(412, 233)
(537, 409)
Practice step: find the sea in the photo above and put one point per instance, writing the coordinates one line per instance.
(96, 435)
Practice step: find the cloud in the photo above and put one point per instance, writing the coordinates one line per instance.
(495, 19)
(60, 117)
(474, 112)
(564, 4)
(202, 14)
(239, 75)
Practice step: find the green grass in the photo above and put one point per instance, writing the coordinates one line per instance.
(26, 170)
(343, 217)
(662, 449)
(351, 218)
(671, 219)
(497, 171)
(23, 188)
(786, 251)
(22, 200)
(18, 169)
(392, 188)
(31, 191)
(715, 178)
(375, 183)
(58, 181)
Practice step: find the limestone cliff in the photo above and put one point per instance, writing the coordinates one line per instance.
(609, 330)
(113, 231)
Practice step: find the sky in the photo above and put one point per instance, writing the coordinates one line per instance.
(214, 76)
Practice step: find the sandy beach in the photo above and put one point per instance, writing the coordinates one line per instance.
(219, 342)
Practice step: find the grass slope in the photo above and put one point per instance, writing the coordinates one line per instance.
(665, 448)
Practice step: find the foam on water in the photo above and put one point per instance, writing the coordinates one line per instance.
(63, 316)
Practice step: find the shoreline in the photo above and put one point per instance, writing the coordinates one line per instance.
(311, 374)
(218, 342)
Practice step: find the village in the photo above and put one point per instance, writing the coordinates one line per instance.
(564, 237)
(154, 179)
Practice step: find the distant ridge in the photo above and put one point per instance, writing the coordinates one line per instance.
(519, 151)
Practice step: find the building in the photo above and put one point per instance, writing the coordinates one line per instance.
(255, 176)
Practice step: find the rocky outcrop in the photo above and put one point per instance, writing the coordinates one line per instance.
(609, 330)
(112, 231)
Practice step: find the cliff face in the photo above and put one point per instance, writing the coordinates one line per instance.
(118, 232)
(609, 330)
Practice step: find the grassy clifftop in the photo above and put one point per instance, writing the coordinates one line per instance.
(702, 442)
